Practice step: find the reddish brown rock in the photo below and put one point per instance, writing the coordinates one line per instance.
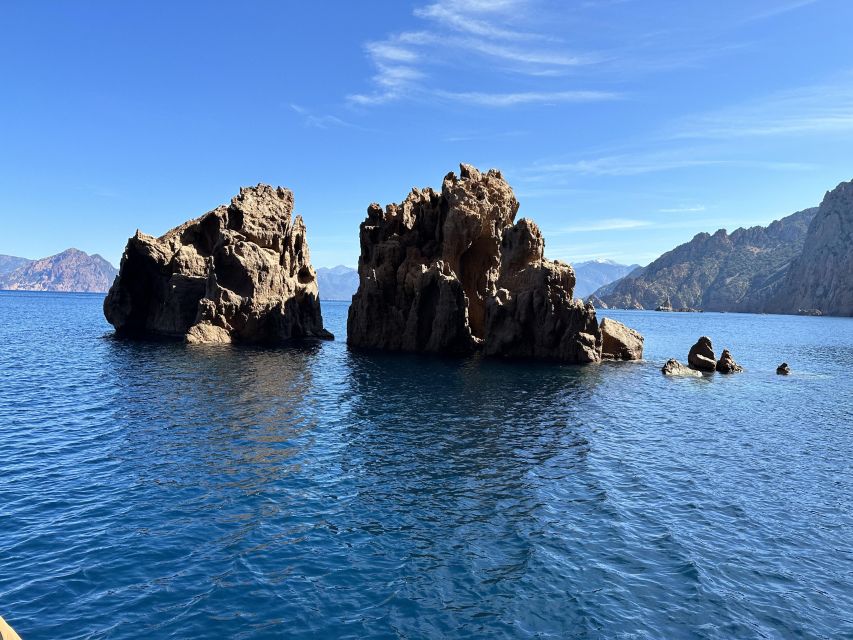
(701, 355)
(619, 342)
(239, 273)
(727, 364)
(449, 272)
(532, 313)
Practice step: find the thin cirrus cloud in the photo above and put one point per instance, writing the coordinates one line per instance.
(818, 109)
(637, 164)
(324, 121)
(485, 33)
(529, 97)
(607, 224)
(695, 209)
(779, 9)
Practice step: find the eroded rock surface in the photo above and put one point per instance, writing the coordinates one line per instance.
(727, 364)
(451, 272)
(619, 342)
(820, 280)
(674, 368)
(702, 356)
(241, 273)
(532, 313)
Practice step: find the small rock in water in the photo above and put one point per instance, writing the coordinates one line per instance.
(783, 369)
(727, 364)
(674, 368)
(701, 355)
(619, 342)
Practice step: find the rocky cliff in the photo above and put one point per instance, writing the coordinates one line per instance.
(452, 272)
(719, 272)
(71, 270)
(821, 277)
(239, 273)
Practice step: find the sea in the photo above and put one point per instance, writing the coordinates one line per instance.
(157, 490)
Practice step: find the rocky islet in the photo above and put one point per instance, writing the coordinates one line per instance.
(453, 272)
(239, 273)
(448, 272)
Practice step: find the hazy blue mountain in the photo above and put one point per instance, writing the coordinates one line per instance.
(340, 283)
(71, 270)
(9, 263)
(337, 283)
(596, 273)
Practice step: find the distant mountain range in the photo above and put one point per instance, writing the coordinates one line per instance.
(9, 263)
(71, 270)
(802, 263)
(340, 283)
(337, 283)
(594, 274)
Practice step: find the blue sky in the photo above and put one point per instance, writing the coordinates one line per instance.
(624, 126)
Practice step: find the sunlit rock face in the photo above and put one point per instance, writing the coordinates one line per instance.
(240, 273)
(452, 272)
(820, 280)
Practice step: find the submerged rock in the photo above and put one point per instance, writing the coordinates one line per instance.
(674, 368)
(241, 272)
(619, 342)
(783, 369)
(701, 355)
(451, 272)
(727, 364)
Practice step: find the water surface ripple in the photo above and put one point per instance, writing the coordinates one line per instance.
(163, 491)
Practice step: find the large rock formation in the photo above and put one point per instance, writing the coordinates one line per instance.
(239, 273)
(740, 271)
(821, 277)
(71, 270)
(451, 272)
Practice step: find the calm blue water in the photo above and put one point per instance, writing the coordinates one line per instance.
(164, 491)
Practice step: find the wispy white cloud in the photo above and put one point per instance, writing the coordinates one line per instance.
(819, 109)
(778, 9)
(683, 209)
(473, 32)
(636, 164)
(397, 72)
(538, 58)
(607, 224)
(527, 97)
(463, 17)
(325, 121)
